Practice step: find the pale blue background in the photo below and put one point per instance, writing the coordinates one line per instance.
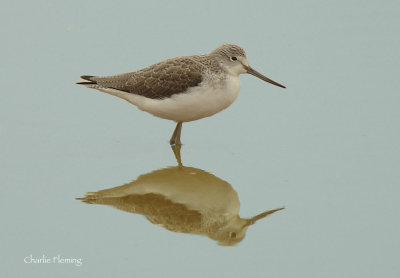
(327, 147)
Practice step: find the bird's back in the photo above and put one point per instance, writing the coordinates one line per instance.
(158, 81)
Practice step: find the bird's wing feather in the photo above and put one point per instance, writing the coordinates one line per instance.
(158, 81)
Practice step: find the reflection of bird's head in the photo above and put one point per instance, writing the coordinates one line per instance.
(231, 233)
(235, 230)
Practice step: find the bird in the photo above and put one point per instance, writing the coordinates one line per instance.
(182, 89)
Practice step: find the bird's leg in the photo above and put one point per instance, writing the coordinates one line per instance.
(176, 136)
(176, 142)
(177, 152)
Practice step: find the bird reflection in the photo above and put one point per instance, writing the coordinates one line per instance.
(183, 200)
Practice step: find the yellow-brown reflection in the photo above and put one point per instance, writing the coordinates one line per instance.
(184, 200)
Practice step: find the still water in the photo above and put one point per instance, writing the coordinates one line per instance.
(183, 200)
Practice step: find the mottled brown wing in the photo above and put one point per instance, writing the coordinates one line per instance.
(158, 81)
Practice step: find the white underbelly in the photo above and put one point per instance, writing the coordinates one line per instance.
(196, 103)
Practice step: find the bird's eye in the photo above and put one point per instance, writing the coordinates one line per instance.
(233, 58)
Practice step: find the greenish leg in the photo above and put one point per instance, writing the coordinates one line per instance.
(177, 152)
(176, 136)
(175, 142)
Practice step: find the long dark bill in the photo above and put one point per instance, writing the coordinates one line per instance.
(259, 75)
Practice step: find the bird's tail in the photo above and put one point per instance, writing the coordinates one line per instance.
(86, 80)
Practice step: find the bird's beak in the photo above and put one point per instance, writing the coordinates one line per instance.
(252, 71)
(253, 220)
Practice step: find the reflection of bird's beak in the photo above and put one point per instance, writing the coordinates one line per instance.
(253, 220)
(252, 71)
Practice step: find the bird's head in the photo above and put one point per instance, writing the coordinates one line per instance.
(232, 59)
